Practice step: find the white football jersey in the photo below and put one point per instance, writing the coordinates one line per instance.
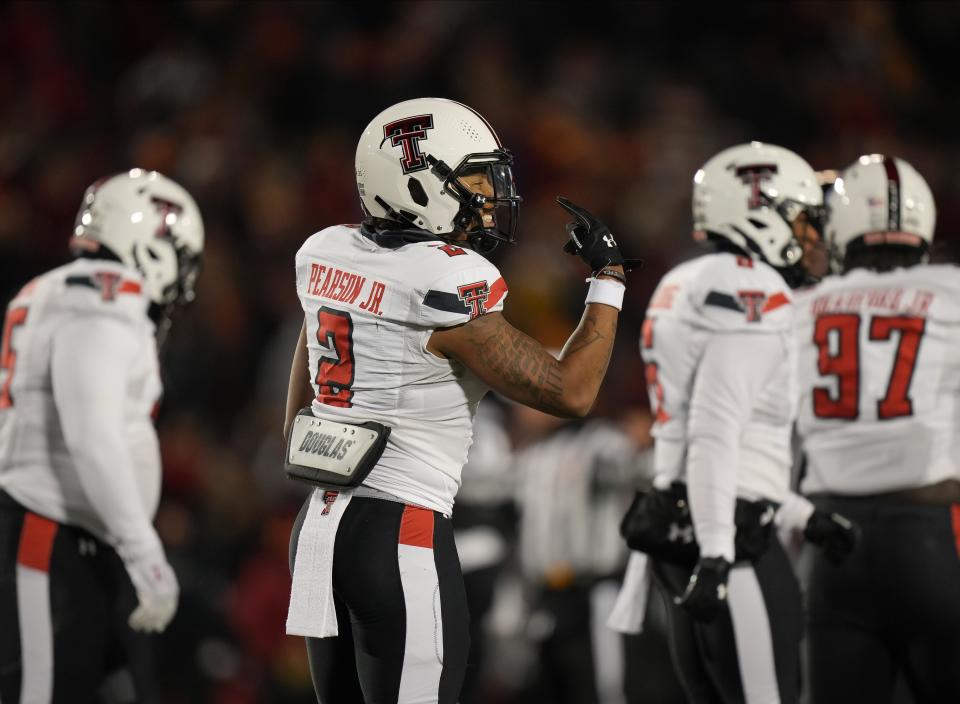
(880, 379)
(370, 311)
(720, 294)
(106, 480)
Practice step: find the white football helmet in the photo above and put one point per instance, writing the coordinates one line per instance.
(751, 194)
(149, 223)
(879, 200)
(410, 160)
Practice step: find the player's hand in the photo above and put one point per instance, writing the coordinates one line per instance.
(590, 239)
(706, 594)
(157, 590)
(836, 534)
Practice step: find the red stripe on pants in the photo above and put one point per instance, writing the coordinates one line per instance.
(416, 527)
(955, 515)
(36, 542)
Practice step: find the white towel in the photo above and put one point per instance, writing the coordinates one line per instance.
(631, 606)
(311, 611)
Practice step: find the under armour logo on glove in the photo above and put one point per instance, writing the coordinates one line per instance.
(591, 240)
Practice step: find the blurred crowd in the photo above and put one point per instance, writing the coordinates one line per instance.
(256, 107)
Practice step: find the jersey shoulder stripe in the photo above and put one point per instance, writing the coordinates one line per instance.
(722, 300)
(457, 303)
(719, 292)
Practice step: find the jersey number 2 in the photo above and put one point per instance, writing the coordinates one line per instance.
(8, 358)
(335, 368)
(843, 362)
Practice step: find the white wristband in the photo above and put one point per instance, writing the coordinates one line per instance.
(605, 291)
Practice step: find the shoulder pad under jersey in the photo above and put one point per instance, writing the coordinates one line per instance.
(92, 287)
(727, 293)
(456, 286)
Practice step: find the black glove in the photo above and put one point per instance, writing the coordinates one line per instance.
(591, 240)
(706, 594)
(836, 534)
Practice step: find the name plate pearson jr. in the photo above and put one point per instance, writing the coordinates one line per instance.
(328, 453)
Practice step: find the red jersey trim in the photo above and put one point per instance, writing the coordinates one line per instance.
(497, 292)
(775, 301)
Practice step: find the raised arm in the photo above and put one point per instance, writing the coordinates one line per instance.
(514, 364)
(518, 366)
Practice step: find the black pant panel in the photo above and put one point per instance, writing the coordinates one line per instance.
(454, 613)
(368, 655)
(90, 599)
(705, 654)
(891, 608)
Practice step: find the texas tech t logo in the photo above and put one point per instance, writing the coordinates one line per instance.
(328, 498)
(165, 207)
(407, 133)
(754, 175)
(752, 302)
(108, 282)
(474, 296)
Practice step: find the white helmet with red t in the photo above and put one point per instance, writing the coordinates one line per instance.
(412, 160)
(751, 195)
(149, 223)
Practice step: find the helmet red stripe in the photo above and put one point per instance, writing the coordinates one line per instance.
(893, 194)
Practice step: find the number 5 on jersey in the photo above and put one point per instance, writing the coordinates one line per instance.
(335, 368)
(8, 356)
(652, 374)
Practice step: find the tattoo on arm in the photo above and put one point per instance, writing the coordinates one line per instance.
(588, 335)
(521, 362)
(533, 376)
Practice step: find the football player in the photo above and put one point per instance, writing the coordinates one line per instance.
(83, 575)
(719, 353)
(880, 392)
(404, 333)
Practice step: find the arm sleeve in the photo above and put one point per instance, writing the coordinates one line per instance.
(731, 374)
(90, 356)
(461, 295)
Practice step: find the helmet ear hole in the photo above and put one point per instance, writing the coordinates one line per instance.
(417, 194)
(157, 263)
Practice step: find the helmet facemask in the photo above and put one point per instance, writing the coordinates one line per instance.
(796, 213)
(486, 218)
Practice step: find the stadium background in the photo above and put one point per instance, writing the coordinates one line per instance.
(256, 109)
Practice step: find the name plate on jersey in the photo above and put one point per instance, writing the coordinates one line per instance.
(327, 453)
